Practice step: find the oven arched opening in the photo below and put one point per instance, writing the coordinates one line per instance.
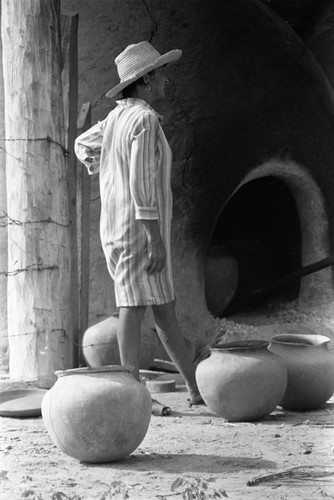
(257, 241)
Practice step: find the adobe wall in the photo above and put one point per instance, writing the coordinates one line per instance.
(246, 91)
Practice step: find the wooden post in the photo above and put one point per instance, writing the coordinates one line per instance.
(83, 224)
(69, 32)
(39, 264)
(4, 358)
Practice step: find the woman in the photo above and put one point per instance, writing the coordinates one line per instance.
(132, 155)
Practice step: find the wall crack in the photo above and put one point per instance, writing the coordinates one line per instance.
(155, 24)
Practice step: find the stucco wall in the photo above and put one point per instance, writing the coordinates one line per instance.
(246, 91)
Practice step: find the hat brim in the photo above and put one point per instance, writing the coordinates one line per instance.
(169, 58)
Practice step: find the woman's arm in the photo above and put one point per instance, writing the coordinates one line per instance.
(143, 169)
(87, 148)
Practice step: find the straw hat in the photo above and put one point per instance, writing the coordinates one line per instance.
(137, 60)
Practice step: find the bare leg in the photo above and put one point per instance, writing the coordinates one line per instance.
(128, 336)
(174, 343)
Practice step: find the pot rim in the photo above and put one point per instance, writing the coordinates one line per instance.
(244, 345)
(88, 370)
(296, 339)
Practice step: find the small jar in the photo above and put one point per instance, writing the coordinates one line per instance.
(46, 361)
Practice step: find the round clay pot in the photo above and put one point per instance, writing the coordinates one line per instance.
(242, 381)
(221, 279)
(100, 346)
(97, 415)
(310, 369)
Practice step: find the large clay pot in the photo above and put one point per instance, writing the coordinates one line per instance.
(97, 415)
(242, 381)
(221, 279)
(100, 346)
(310, 369)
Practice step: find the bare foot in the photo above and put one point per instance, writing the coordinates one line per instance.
(195, 398)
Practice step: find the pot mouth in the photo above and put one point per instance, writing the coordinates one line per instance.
(244, 345)
(300, 339)
(87, 370)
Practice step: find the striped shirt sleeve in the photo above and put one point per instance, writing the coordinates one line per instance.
(87, 148)
(143, 167)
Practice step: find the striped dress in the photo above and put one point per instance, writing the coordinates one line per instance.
(132, 155)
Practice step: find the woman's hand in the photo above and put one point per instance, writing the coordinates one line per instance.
(156, 257)
(93, 156)
(92, 160)
(156, 250)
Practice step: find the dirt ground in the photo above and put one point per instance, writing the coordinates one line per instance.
(190, 454)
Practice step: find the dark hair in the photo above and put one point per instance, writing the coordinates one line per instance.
(128, 91)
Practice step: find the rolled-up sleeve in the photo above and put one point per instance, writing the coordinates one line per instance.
(143, 168)
(87, 148)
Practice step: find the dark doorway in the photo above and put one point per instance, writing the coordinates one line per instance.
(258, 237)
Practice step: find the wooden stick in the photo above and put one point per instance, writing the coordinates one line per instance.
(269, 477)
(292, 472)
(83, 223)
(262, 293)
(69, 31)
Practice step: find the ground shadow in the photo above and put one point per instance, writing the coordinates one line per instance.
(296, 417)
(187, 463)
(278, 416)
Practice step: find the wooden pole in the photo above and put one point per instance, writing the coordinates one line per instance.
(83, 224)
(39, 264)
(263, 293)
(69, 33)
(4, 358)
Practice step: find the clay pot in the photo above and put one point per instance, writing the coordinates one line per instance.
(100, 346)
(221, 279)
(97, 415)
(242, 381)
(310, 369)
